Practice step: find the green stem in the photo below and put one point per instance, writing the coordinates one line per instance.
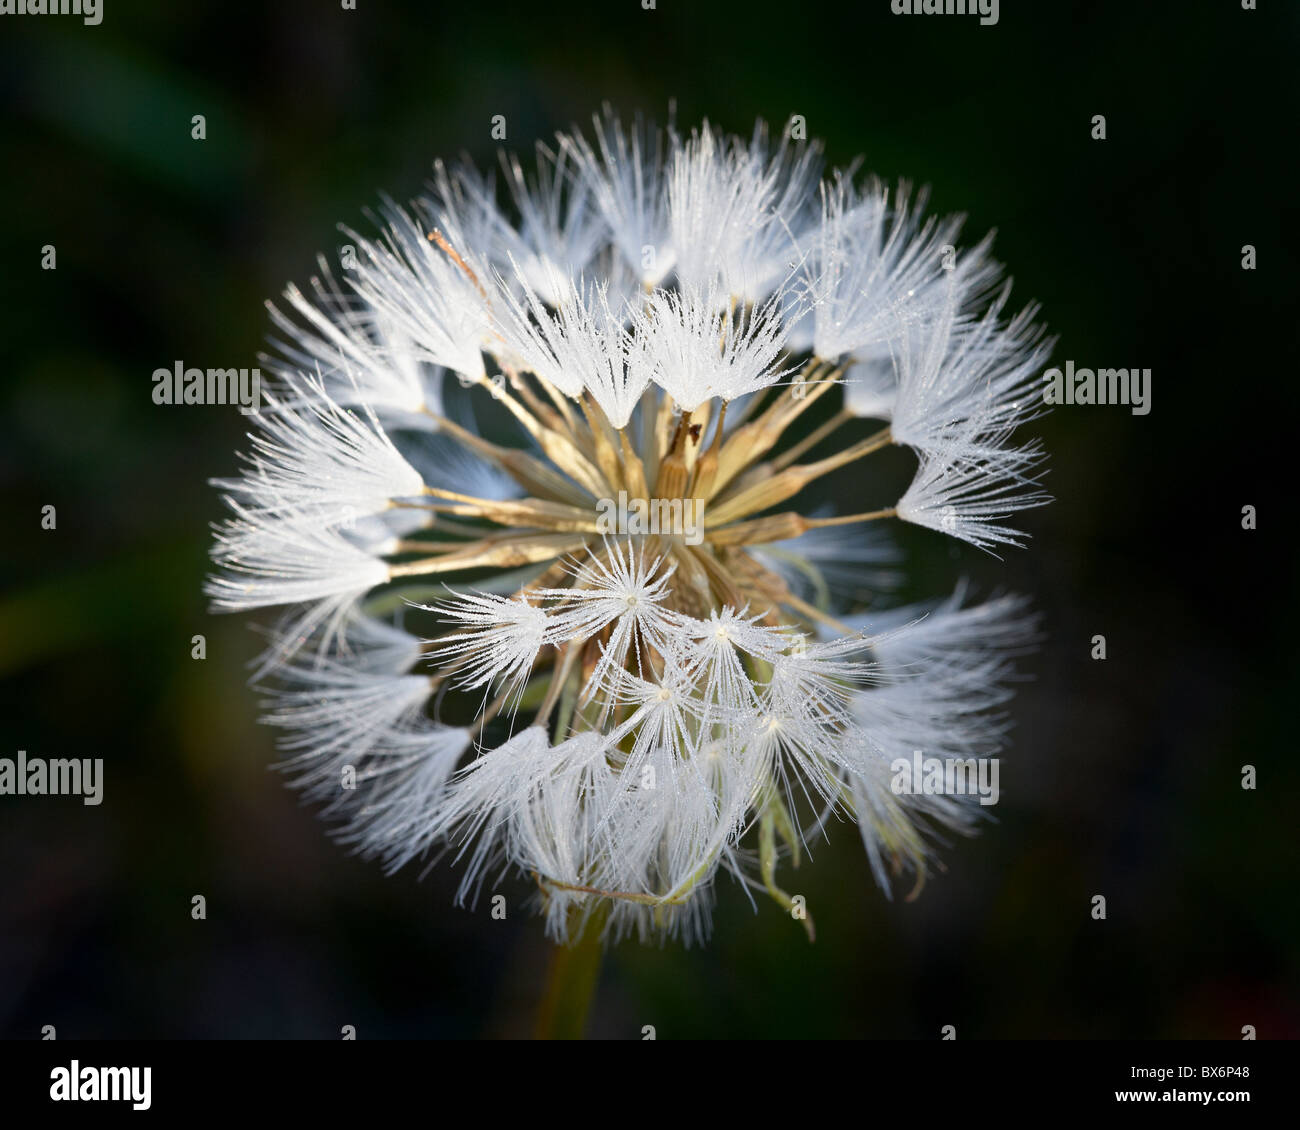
(570, 987)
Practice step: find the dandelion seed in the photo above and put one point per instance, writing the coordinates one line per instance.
(622, 716)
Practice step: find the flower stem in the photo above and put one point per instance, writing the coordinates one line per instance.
(570, 987)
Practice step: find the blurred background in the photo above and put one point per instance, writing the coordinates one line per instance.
(1124, 777)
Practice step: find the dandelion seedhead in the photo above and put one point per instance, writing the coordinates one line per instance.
(474, 662)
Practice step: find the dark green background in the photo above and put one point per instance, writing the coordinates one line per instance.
(1123, 779)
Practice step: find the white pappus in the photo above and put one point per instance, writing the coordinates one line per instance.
(471, 666)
